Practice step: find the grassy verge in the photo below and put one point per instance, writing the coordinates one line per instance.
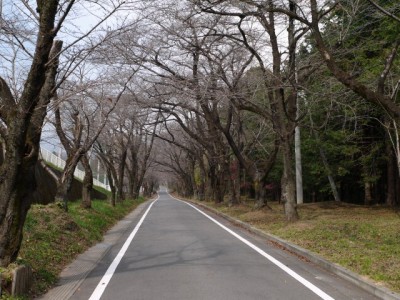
(365, 240)
(53, 238)
(102, 190)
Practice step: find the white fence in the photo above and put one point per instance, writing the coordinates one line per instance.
(60, 163)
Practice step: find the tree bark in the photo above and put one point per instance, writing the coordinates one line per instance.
(367, 193)
(289, 185)
(133, 171)
(87, 185)
(64, 183)
(112, 187)
(201, 194)
(332, 183)
(234, 184)
(391, 176)
(121, 175)
(111, 172)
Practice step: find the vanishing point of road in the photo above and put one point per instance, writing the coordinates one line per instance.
(175, 251)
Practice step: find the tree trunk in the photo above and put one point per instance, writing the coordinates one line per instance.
(17, 172)
(285, 130)
(130, 186)
(87, 185)
(202, 186)
(235, 184)
(257, 190)
(112, 187)
(263, 195)
(121, 174)
(136, 189)
(15, 190)
(391, 176)
(188, 186)
(64, 183)
(110, 172)
(367, 193)
(138, 184)
(330, 176)
(211, 181)
(220, 184)
(133, 174)
(289, 185)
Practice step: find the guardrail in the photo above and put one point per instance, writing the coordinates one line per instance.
(60, 163)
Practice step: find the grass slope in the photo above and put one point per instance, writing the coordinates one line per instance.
(53, 238)
(365, 240)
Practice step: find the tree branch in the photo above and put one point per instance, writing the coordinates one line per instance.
(384, 11)
(7, 102)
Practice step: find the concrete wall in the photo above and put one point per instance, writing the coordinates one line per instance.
(46, 187)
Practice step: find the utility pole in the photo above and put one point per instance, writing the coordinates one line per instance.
(297, 150)
(293, 69)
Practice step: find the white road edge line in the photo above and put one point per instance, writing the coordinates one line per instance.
(98, 292)
(276, 262)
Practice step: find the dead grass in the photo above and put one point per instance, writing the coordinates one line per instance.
(365, 240)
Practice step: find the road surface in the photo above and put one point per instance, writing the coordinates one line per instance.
(177, 252)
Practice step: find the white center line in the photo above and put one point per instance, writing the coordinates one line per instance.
(276, 262)
(111, 269)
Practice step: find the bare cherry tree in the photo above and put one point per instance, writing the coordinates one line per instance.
(31, 60)
(278, 71)
(86, 114)
(140, 150)
(21, 120)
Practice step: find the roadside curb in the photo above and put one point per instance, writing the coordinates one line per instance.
(381, 292)
(75, 273)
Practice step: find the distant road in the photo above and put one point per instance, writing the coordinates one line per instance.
(176, 252)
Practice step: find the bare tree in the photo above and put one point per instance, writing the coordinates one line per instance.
(140, 150)
(178, 159)
(24, 100)
(105, 153)
(21, 135)
(88, 114)
(279, 79)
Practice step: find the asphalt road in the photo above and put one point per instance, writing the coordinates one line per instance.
(176, 252)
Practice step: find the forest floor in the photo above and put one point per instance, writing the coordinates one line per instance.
(365, 240)
(53, 238)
